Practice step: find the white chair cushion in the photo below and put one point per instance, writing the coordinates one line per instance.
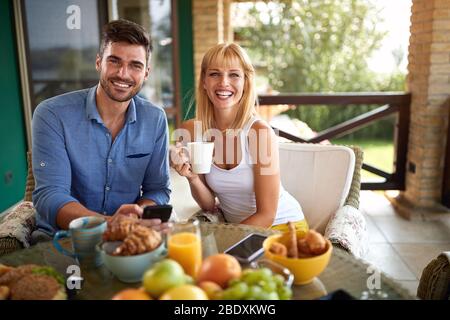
(319, 177)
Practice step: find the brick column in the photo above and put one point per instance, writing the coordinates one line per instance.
(207, 27)
(227, 27)
(429, 83)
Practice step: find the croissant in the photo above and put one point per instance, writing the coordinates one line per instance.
(316, 242)
(303, 248)
(119, 229)
(140, 240)
(278, 248)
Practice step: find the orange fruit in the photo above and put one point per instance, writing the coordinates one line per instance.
(132, 294)
(184, 292)
(212, 289)
(219, 268)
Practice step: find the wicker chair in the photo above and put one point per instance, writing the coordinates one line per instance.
(10, 244)
(355, 187)
(434, 283)
(326, 181)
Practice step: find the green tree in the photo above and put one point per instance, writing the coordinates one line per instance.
(318, 46)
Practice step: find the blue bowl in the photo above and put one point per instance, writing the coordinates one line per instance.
(130, 269)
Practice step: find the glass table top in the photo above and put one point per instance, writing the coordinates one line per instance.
(344, 271)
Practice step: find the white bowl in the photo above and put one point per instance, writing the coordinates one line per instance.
(130, 269)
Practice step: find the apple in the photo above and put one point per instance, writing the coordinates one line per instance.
(164, 275)
(184, 292)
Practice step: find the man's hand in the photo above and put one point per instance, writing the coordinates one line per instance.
(130, 210)
(156, 225)
(136, 211)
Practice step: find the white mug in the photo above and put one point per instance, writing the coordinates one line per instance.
(200, 156)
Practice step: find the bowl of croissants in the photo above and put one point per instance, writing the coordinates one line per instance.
(129, 248)
(305, 254)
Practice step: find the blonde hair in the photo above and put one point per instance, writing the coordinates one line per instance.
(225, 54)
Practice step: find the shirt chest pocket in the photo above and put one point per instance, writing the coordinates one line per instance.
(138, 155)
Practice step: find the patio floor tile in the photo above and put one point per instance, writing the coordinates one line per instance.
(375, 204)
(385, 258)
(399, 230)
(375, 235)
(417, 256)
(410, 285)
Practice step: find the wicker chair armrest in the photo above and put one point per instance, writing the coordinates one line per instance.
(8, 245)
(355, 188)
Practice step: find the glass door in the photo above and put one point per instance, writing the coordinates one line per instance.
(156, 17)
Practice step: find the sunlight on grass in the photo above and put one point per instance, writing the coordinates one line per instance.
(377, 153)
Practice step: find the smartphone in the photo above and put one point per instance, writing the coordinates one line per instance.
(162, 212)
(247, 249)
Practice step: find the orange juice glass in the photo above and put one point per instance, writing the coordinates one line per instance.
(185, 246)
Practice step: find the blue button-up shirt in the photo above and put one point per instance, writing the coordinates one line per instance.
(75, 158)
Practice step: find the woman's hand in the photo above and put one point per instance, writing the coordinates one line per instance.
(180, 162)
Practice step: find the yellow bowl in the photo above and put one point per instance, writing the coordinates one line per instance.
(303, 269)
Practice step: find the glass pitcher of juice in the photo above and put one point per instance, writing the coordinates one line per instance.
(184, 245)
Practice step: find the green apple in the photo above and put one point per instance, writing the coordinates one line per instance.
(164, 275)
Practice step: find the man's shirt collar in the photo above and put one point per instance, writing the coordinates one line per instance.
(92, 111)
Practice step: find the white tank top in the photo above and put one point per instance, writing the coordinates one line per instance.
(236, 193)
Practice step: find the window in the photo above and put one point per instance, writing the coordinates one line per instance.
(62, 38)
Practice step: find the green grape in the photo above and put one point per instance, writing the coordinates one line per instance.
(246, 271)
(236, 292)
(254, 292)
(240, 290)
(232, 282)
(228, 294)
(265, 273)
(269, 286)
(285, 293)
(279, 280)
(252, 278)
(273, 296)
(263, 295)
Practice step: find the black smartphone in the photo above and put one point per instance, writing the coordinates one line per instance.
(247, 249)
(162, 212)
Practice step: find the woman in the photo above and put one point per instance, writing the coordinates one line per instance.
(244, 176)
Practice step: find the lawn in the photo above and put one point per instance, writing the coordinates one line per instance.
(377, 153)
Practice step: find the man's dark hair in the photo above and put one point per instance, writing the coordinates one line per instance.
(125, 31)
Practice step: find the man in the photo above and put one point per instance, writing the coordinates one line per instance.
(103, 150)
